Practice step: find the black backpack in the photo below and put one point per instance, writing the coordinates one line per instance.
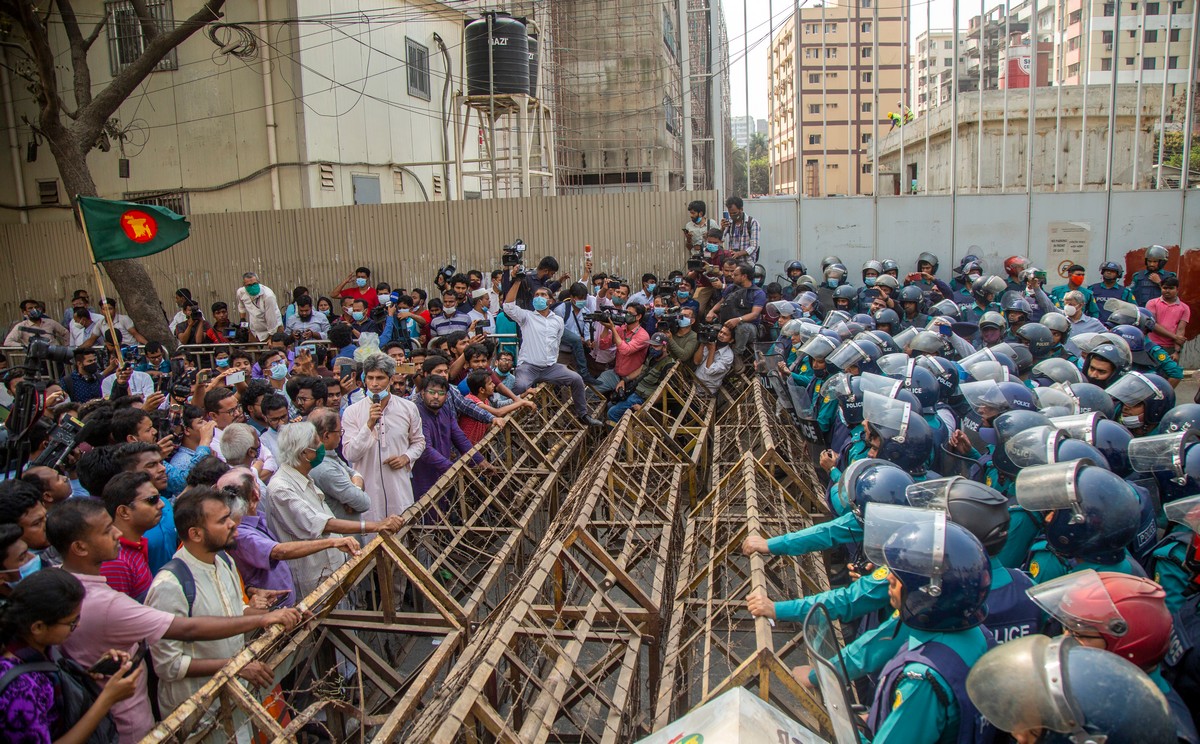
(74, 692)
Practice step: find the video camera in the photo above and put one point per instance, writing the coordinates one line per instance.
(514, 255)
(670, 319)
(29, 405)
(708, 332)
(605, 314)
(62, 439)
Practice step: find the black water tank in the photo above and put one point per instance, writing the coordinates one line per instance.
(509, 61)
(533, 65)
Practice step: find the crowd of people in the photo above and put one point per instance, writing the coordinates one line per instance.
(998, 461)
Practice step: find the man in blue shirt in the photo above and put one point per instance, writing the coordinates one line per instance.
(740, 308)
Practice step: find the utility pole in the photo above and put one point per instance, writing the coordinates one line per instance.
(715, 99)
(685, 61)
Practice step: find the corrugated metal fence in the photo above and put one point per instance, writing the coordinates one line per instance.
(404, 244)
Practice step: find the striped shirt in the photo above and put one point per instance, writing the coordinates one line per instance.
(130, 573)
(472, 428)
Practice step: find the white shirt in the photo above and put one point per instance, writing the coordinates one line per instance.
(641, 298)
(181, 318)
(711, 377)
(540, 335)
(262, 311)
(573, 321)
(122, 323)
(79, 334)
(140, 383)
(486, 322)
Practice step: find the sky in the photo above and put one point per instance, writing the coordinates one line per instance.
(758, 13)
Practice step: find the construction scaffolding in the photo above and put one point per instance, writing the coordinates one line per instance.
(591, 593)
(516, 147)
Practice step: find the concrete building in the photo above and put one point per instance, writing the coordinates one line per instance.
(743, 128)
(619, 92)
(934, 54)
(1154, 41)
(982, 162)
(836, 71)
(357, 107)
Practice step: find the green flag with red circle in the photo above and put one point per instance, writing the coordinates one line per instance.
(120, 229)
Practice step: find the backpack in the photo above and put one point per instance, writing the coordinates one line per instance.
(74, 693)
(187, 582)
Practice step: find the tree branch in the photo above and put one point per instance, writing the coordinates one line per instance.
(95, 34)
(105, 103)
(26, 16)
(150, 30)
(79, 63)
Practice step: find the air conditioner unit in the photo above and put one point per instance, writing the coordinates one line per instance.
(1108, 47)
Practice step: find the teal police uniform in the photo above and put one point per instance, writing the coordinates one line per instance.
(1089, 298)
(1170, 566)
(1044, 565)
(843, 530)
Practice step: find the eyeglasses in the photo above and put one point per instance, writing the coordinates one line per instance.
(73, 625)
(151, 501)
(437, 393)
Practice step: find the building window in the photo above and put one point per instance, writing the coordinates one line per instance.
(865, 27)
(176, 202)
(48, 191)
(948, 62)
(1150, 63)
(1151, 36)
(814, 108)
(1073, 43)
(1129, 61)
(125, 39)
(831, 28)
(831, 166)
(831, 76)
(1110, 9)
(1174, 34)
(866, 3)
(418, 69)
(1073, 70)
(866, 138)
(812, 28)
(865, 52)
(1105, 64)
(866, 168)
(814, 139)
(1151, 8)
(947, 45)
(814, 78)
(1105, 36)
(866, 107)
(808, 53)
(831, 53)
(1172, 63)
(1075, 17)
(866, 77)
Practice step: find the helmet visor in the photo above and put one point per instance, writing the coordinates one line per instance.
(848, 354)
(873, 383)
(1036, 446)
(894, 365)
(835, 317)
(983, 355)
(1081, 603)
(1122, 309)
(887, 416)
(1162, 453)
(1132, 388)
(905, 337)
(924, 556)
(992, 285)
(1059, 370)
(1086, 342)
(984, 394)
(1048, 397)
(931, 494)
(1044, 488)
(1081, 426)
(945, 307)
(1009, 685)
(782, 308)
(818, 347)
(1185, 511)
(838, 385)
(824, 654)
(994, 371)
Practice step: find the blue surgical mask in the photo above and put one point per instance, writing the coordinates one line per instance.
(831, 283)
(27, 570)
(651, 287)
(618, 301)
(540, 303)
(358, 315)
(361, 282)
(697, 219)
(685, 321)
(869, 280)
(712, 247)
(222, 363)
(659, 311)
(682, 295)
(278, 370)
(581, 304)
(380, 396)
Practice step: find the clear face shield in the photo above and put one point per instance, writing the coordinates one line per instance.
(1036, 446)
(984, 396)
(889, 529)
(1081, 426)
(887, 416)
(1058, 370)
(1126, 312)
(945, 307)
(825, 656)
(1047, 488)
(850, 353)
(931, 494)
(1185, 511)
(994, 371)
(1163, 453)
(894, 365)
(818, 347)
(905, 337)
(1053, 402)
(1133, 388)
(1081, 603)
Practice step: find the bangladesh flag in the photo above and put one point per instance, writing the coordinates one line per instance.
(120, 229)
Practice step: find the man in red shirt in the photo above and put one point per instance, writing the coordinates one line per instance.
(135, 506)
(632, 343)
(357, 286)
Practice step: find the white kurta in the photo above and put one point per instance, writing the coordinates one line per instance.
(397, 433)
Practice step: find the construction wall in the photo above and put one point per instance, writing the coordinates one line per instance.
(404, 244)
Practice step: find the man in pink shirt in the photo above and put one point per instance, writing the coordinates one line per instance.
(1172, 315)
(83, 533)
(631, 341)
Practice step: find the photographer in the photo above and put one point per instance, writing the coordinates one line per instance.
(740, 307)
(306, 324)
(713, 360)
(541, 334)
(528, 284)
(364, 320)
(577, 331)
(403, 325)
(195, 329)
(658, 362)
(222, 330)
(631, 342)
(697, 226)
(127, 380)
(682, 342)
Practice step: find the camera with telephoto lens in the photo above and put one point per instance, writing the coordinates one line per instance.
(605, 314)
(669, 321)
(708, 332)
(181, 381)
(514, 255)
(695, 262)
(40, 350)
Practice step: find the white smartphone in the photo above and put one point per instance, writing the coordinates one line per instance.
(234, 378)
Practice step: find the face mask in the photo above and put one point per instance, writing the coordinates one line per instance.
(328, 315)
(757, 282)
(683, 295)
(380, 396)
(581, 304)
(651, 287)
(697, 219)
(90, 368)
(1075, 281)
(448, 311)
(630, 319)
(832, 283)
(222, 363)
(278, 371)
(384, 299)
(27, 570)
(685, 322)
(35, 314)
(360, 282)
(1070, 311)
(658, 311)
(869, 280)
(712, 247)
(358, 315)
(972, 277)
(1131, 422)
(654, 353)
(540, 303)
(319, 457)
(618, 301)
(254, 289)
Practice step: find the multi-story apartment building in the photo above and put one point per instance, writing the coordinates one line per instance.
(933, 54)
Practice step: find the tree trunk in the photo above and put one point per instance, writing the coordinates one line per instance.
(131, 279)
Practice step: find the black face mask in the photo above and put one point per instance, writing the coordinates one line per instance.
(90, 368)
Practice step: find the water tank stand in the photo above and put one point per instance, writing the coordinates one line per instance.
(523, 163)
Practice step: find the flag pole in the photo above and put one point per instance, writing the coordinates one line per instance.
(87, 239)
